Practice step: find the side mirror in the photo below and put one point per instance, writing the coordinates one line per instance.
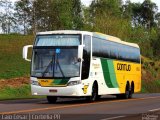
(25, 52)
(80, 51)
(79, 60)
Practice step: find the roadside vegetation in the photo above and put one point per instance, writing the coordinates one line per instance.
(16, 88)
(11, 93)
(11, 63)
(150, 76)
(15, 93)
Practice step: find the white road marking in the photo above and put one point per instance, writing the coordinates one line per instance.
(111, 118)
(154, 110)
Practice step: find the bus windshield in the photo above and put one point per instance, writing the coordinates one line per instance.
(55, 63)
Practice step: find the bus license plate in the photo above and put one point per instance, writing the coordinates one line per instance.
(53, 90)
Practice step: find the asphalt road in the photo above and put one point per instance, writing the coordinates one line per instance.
(140, 107)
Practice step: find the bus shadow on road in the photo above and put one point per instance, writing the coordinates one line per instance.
(81, 100)
(60, 101)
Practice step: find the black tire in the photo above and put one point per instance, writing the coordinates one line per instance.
(98, 97)
(130, 94)
(127, 92)
(131, 91)
(119, 96)
(51, 99)
(126, 95)
(94, 95)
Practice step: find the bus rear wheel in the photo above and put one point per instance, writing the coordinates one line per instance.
(127, 92)
(126, 95)
(51, 99)
(131, 92)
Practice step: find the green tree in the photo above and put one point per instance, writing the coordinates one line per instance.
(77, 15)
(155, 42)
(6, 16)
(136, 14)
(157, 18)
(127, 10)
(106, 17)
(70, 16)
(23, 14)
(148, 12)
(141, 14)
(41, 15)
(54, 15)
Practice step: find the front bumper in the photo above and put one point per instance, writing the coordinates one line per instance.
(75, 90)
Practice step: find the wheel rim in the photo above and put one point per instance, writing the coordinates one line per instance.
(131, 92)
(127, 93)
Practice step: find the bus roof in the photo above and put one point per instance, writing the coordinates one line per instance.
(65, 32)
(114, 39)
(95, 34)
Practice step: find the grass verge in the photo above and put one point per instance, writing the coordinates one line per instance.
(23, 92)
(11, 63)
(150, 86)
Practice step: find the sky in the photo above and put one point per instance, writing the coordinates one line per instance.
(87, 2)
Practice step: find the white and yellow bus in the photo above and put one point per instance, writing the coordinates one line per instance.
(70, 63)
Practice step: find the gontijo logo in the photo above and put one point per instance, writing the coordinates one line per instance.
(123, 67)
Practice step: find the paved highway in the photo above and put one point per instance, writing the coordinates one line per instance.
(140, 107)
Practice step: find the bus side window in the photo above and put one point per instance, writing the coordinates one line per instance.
(86, 56)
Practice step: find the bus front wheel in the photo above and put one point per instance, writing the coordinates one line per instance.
(94, 95)
(51, 99)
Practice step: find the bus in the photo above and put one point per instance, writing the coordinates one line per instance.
(70, 63)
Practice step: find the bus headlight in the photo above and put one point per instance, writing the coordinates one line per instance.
(74, 82)
(35, 83)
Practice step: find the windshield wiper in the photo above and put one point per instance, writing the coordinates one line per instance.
(51, 63)
(60, 67)
(57, 64)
